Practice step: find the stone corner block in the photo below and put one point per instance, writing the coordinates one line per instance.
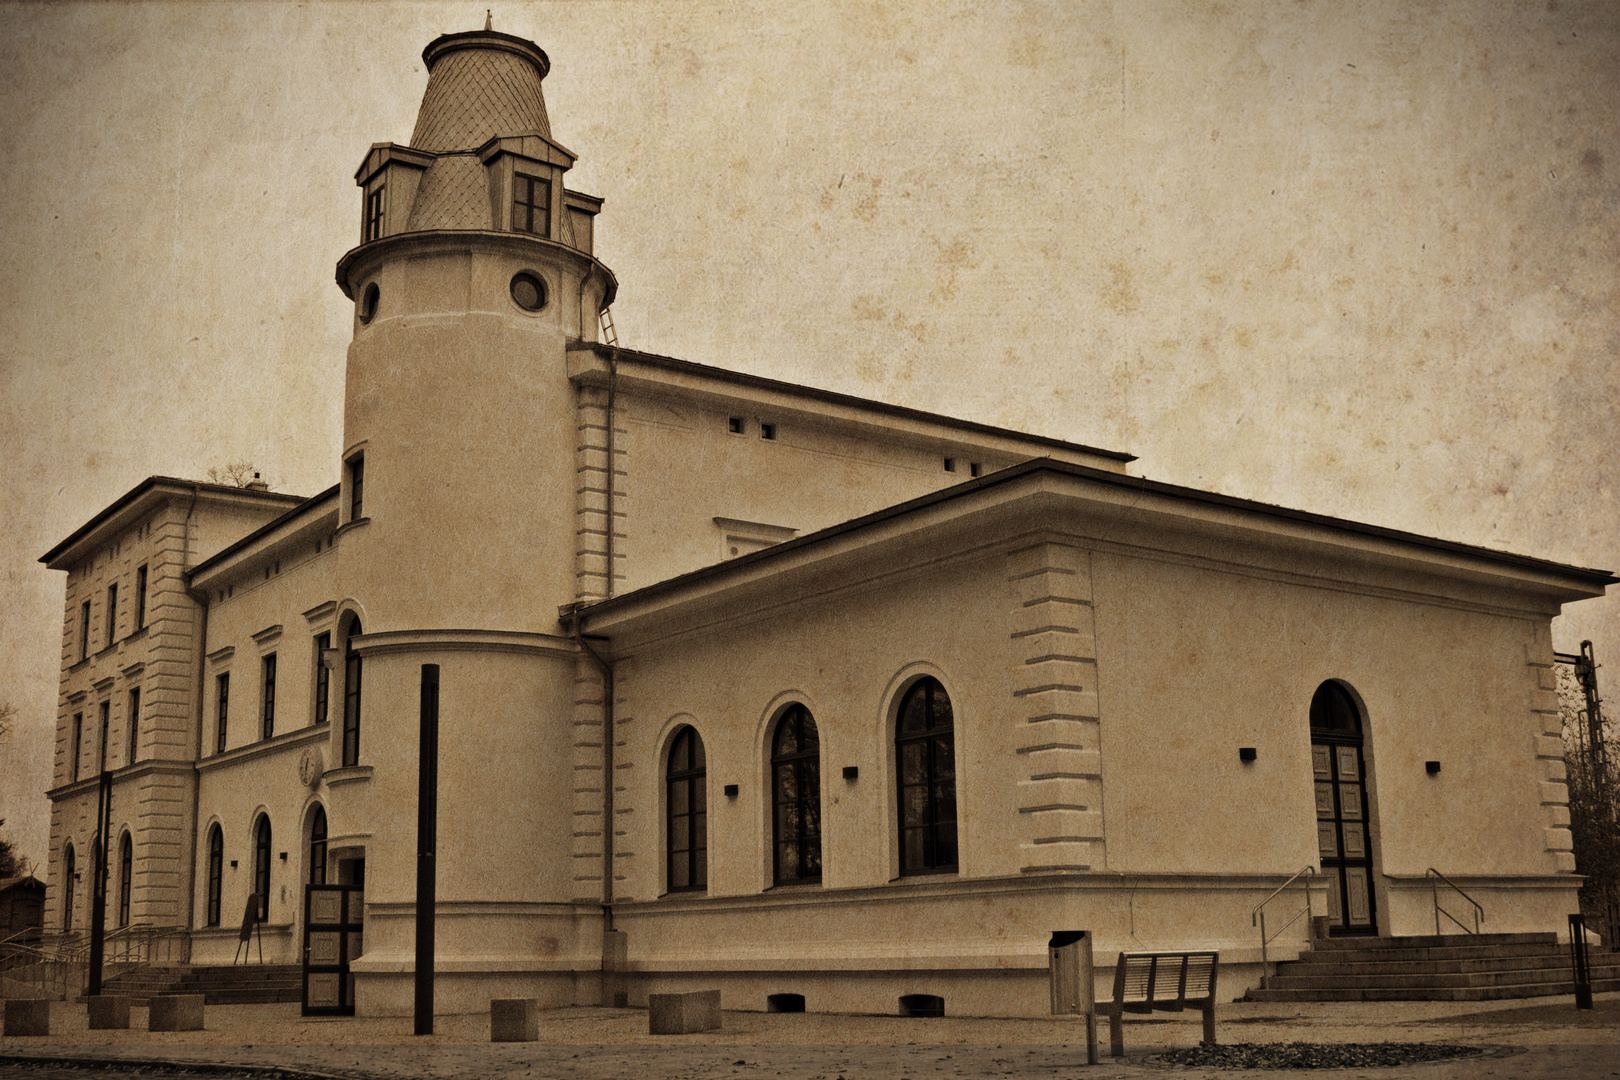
(175, 1012)
(514, 1020)
(27, 1016)
(107, 1012)
(1563, 861)
(683, 1014)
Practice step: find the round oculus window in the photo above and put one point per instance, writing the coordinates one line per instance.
(368, 303)
(528, 291)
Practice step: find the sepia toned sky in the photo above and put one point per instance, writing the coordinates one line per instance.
(1360, 259)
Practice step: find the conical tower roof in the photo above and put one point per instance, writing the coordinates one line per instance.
(480, 84)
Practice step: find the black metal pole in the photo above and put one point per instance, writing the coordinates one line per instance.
(1580, 962)
(427, 841)
(98, 891)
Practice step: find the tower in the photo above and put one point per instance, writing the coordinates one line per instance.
(457, 521)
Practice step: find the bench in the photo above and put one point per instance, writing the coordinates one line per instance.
(1162, 982)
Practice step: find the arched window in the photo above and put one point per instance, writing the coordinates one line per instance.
(688, 814)
(924, 750)
(1343, 824)
(317, 847)
(126, 867)
(69, 872)
(261, 865)
(796, 797)
(216, 872)
(351, 698)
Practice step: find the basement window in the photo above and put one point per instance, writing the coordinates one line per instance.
(973, 468)
(767, 431)
(950, 464)
(735, 425)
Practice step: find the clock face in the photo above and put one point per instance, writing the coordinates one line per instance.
(528, 291)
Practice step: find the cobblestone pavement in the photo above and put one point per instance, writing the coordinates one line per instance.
(1548, 1040)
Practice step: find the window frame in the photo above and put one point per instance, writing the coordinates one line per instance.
(70, 873)
(353, 677)
(126, 874)
(533, 209)
(112, 614)
(216, 875)
(140, 598)
(803, 767)
(133, 724)
(322, 709)
(222, 710)
(261, 864)
(317, 846)
(695, 810)
(105, 719)
(933, 738)
(376, 214)
(357, 486)
(77, 760)
(84, 630)
(267, 695)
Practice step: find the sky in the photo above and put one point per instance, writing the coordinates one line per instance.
(1355, 259)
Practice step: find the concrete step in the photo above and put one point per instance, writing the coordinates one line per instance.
(1558, 961)
(1426, 953)
(1435, 979)
(1429, 941)
(1455, 993)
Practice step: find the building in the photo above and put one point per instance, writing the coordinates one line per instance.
(748, 684)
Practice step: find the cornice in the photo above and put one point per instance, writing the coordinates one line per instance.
(292, 740)
(439, 241)
(496, 641)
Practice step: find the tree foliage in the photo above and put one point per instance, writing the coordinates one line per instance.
(1594, 803)
(11, 863)
(236, 474)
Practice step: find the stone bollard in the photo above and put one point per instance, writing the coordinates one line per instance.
(683, 1014)
(175, 1012)
(107, 1012)
(514, 1020)
(28, 1016)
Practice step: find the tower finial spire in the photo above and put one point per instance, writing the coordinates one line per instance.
(489, 19)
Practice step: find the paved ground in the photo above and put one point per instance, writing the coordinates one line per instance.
(1544, 1040)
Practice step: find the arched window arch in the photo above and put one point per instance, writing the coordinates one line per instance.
(796, 798)
(351, 696)
(70, 870)
(261, 864)
(126, 871)
(216, 872)
(925, 757)
(687, 810)
(317, 846)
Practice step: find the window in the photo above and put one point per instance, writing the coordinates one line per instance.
(69, 873)
(317, 847)
(531, 205)
(267, 711)
(323, 678)
(925, 753)
(140, 599)
(112, 614)
(368, 302)
(528, 291)
(84, 630)
(126, 866)
(222, 709)
(376, 206)
(796, 798)
(767, 431)
(735, 425)
(688, 814)
(974, 468)
(351, 698)
(357, 486)
(261, 865)
(950, 464)
(134, 725)
(106, 722)
(76, 751)
(216, 872)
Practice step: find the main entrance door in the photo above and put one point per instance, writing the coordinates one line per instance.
(333, 936)
(1343, 829)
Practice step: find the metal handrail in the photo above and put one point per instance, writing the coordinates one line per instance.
(1435, 877)
(1257, 917)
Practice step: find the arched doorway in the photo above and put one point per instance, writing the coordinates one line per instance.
(1343, 828)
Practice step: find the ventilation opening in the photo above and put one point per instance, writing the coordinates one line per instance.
(922, 1005)
(785, 1003)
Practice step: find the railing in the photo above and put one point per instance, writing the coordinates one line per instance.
(56, 964)
(1435, 878)
(1257, 917)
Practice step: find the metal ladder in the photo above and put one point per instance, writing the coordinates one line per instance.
(610, 336)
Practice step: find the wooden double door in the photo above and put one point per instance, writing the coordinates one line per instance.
(1344, 834)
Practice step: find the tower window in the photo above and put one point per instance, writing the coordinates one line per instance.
(528, 291)
(368, 302)
(531, 205)
(376, 206)
(357, 486)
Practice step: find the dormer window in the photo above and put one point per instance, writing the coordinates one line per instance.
(376, 205)
(531, 205)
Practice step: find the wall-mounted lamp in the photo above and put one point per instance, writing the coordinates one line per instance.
(1432, 768)
(1247, 754)
(731, 791)
(852, 772)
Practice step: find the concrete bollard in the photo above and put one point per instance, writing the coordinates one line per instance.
(107, 1012)
(514, 1020)
(28, 1016)
(683, 1014)
(175, 1012)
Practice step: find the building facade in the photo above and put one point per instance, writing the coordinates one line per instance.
(749, 684)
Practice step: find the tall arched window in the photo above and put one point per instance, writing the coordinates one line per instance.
(924, 750)
(688, 814)
(70, 870)
(261, 865)
(317, 847)
(351, 698)
(1343, 824)
(126, 868)
(216, 872)
(796, 798)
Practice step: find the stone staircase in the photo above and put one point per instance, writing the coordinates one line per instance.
(243, 984)
(1450, 967)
